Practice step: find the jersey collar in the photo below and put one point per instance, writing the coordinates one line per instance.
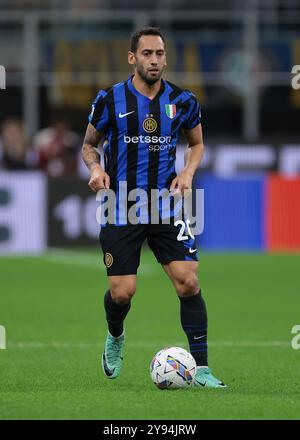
(138, 94)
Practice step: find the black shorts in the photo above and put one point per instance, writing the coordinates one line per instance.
(121, 245)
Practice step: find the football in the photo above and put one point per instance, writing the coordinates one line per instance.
(173, 367)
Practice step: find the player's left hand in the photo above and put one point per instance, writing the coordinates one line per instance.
(182, 183)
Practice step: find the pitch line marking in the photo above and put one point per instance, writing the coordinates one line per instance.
(53, 344)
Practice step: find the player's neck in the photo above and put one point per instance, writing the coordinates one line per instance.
(145, 89)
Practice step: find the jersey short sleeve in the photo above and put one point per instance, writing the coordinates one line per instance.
(99, 116)
(193, 113)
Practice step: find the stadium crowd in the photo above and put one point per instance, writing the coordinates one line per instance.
(53, 149)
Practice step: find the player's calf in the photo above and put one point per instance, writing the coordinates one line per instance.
(193, 317)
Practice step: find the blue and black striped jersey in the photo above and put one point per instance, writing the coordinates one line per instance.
(141, 134)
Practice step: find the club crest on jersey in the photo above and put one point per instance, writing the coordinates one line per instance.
(149, 125)
(171, 110)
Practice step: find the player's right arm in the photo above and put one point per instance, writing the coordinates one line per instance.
(99, 178)
(98, 124)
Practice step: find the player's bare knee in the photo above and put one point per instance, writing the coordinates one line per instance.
(122, 294)
(187, 284)
(121, 298)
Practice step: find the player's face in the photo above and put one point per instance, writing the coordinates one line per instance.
(149, 59)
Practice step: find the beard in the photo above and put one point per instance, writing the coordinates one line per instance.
(146, 76)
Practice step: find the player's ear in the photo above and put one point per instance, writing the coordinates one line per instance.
(131, 57)
(165, 63)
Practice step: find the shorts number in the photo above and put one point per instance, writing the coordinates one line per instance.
(184, 225)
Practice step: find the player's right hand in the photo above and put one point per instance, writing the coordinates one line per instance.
(99, 179)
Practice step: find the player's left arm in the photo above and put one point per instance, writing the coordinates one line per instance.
(194, 156)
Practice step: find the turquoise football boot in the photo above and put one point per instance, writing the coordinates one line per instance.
(112, 359)
(204, 378)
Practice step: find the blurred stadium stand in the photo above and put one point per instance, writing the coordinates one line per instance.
(237, 58)
(288, 6)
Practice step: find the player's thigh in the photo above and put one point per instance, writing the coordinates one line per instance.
(172, 243)
(121, 246)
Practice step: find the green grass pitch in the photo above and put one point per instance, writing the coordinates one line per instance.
(51, 307)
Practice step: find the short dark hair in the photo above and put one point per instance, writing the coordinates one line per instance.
(134, 41)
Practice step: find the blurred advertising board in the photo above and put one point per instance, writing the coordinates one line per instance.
(23, 206)
(71, 213)
(257, 211)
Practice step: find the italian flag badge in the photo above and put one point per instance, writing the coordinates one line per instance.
(171, 110)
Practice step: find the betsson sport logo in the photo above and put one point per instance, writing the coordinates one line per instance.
(155, 143)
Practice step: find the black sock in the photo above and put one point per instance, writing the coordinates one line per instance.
(194, 322)
(115, 314)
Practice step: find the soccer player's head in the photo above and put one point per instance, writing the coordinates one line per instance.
(148, 54)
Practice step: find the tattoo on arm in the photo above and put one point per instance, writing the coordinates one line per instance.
(90, 154)
(92, 136)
